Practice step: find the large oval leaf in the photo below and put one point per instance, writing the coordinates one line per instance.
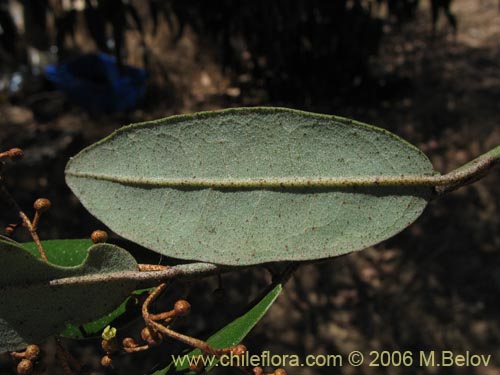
(32, 308)
(251, 185)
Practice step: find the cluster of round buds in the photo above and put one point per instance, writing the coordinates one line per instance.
(25, 365)
(151, 337)
(128, 345)
(109, 344)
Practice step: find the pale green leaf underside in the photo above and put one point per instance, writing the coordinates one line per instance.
(247, 186)
(32, 308)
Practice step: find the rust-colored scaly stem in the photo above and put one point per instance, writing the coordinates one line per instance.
(167, 316)
(188, 340)
(13, 153)
(36, 220)
(26, 221)
(152, 267)
(136, 349)
(18, 355)
(152, 296)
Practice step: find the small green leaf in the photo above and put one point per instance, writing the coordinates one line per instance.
(253, 185)
(233, 333)
(34, 306)
(71, 253)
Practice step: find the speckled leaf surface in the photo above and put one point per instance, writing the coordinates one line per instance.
(32, 308)
(161, 184)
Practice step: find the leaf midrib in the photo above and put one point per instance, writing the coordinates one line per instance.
(265, 183)
(482, 163)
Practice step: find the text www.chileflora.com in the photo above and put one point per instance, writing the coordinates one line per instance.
(431, 358)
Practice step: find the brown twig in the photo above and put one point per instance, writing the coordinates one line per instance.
(136, 349)
(26, 221)
(36, 220)
(152, 267)
(13, 153)
(167, 316)
(188, 340)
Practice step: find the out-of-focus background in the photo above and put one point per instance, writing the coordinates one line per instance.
(71, 72)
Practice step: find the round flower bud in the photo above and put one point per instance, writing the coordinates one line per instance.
(151, 337)
(32, 352)
(129, 342)
(182, 308)
(239, 350)
(16, 154)
(25, 367)
(106, 361)
(42, 205)
(258, 371)
(280, 371)
(99, 236)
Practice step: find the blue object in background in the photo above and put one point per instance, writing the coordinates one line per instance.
(98, 84)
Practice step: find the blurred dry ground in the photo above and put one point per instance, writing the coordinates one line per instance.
(435, 286)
